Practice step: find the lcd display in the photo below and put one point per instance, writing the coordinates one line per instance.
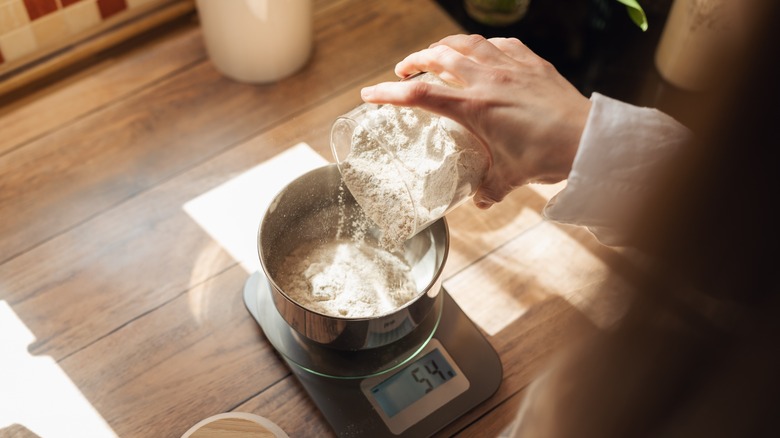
(413, 383)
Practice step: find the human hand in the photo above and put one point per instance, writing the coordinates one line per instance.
(528, 116)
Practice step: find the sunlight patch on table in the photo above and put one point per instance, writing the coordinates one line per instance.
(547, 191)
(35, 393)
(541, 263)
(231, 213)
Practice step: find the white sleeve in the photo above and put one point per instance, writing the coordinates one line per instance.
(620, 157)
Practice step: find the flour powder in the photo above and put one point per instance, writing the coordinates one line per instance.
(350, 276)
(408, 167)
(347, 278)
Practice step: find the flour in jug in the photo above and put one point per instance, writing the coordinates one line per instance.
(407, 167)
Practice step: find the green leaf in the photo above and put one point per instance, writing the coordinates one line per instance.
(636, 13)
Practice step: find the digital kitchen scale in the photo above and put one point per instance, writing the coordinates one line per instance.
(412, 387)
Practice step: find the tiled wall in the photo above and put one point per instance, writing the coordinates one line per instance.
(30, 27)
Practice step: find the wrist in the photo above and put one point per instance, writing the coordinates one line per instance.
(563, 143)
(578, 118)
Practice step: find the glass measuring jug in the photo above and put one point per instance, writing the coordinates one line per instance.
(406, 167)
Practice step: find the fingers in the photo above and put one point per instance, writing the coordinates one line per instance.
(475, 47)
(447, 63)
(437, 99)
(457, 57)
(393, 93)
(513, 48)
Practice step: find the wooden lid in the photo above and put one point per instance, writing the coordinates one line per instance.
(235, 425)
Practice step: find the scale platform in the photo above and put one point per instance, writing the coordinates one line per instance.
(411, 388)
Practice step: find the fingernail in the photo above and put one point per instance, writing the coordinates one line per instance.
(367, 92)
(484, 205)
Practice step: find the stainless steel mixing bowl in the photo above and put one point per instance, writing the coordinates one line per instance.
(308, 209)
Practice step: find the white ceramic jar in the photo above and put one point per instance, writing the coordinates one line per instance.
(257, 41)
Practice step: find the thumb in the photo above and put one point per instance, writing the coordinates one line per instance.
(492, 190)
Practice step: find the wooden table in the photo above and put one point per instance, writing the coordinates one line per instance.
(123, 315)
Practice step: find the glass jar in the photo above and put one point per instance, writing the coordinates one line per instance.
(406, 167)
(694, 44)
(496, 12)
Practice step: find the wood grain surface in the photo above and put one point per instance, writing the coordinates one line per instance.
(141, 308)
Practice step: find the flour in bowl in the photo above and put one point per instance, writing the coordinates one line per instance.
(346, 278)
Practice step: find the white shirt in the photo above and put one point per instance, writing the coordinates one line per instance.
(619, 160)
